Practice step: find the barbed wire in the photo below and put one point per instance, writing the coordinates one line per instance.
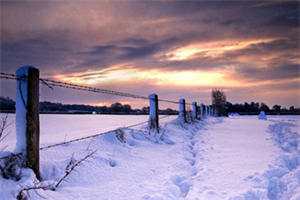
(52, 83)
(87, 137)
(90, 89)
(8, 76)
(98, 134)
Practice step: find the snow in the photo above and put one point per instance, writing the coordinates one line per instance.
(262, 115)
(59, 128)
(152, 106)
(181, 108)
(21, 98)
(234, 114)
(235, 158)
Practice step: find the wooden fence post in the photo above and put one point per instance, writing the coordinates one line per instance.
(201, 111)
(182, 111)
(206, 111)
(195, 116)
(153, 113)
(27, 117)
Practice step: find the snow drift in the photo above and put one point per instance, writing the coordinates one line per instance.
(236, 158)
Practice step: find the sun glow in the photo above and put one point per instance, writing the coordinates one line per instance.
(119, 74)
(210, 49)
(114, 73)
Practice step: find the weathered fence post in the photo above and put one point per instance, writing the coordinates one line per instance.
(206, 111)
(27, 117)
(153, 113)
(201, 111)
(182, 111)
(195, 116)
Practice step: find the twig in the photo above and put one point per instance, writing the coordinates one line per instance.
(68, 171)
(20, 194)
(3, 126)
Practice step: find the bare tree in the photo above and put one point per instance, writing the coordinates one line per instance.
(219, 101)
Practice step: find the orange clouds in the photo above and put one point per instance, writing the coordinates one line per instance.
(211, 49)
(122, 74)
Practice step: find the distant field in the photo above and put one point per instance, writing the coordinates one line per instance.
(57, 128)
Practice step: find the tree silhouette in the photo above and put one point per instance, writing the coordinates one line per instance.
(219, 101)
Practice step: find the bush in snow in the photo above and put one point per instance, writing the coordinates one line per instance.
(11, 167)
(120, 134)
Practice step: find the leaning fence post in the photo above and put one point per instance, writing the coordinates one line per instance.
(27, 117)
(182, 111)
(153, 113)
(195, 110)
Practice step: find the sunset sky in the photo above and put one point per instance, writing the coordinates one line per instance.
(249, 49)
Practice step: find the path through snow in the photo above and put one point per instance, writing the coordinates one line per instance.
(237, 158)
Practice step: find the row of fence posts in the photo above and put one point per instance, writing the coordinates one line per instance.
(27, 115)
(198, 112)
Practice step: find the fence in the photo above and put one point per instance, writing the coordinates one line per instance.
(27, 111)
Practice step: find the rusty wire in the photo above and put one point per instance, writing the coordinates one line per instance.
(53, 83)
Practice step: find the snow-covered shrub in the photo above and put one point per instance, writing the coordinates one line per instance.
(262, 115)
(11, 167)
(120, 134)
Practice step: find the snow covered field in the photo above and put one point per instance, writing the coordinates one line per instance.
(59, 128)
(235, 158)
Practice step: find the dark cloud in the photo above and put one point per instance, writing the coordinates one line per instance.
(124, 52)
(45, 53)
(289, 20)
(99, 50)
(68, 37)
(288, 71)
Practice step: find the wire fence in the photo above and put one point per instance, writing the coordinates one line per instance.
(53, 83)
(88, 137)
(98, 134)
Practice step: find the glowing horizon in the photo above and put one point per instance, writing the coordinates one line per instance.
(173, 48)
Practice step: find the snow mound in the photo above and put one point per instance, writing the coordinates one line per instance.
(262, 115)
(234, 114)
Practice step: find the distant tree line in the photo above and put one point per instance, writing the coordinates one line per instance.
(255, 108)
(223, 107)
(8, 105)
